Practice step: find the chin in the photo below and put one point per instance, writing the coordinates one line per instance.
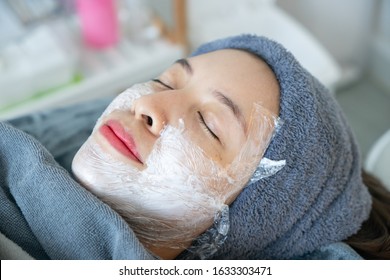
(83, 167)
(80, 171)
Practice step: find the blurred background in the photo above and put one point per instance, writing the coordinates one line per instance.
(58, 52)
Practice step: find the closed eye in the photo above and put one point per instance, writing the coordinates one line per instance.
(206, 127)
(163, 84)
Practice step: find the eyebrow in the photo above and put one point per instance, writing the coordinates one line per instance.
(186, 65)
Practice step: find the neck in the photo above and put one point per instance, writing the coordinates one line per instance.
(165, 253)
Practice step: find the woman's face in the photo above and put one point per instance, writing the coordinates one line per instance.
(169, 153)
(214, 94)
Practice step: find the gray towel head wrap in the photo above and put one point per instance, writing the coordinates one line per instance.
(318, 197)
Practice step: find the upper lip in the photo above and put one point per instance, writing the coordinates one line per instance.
(125, 137)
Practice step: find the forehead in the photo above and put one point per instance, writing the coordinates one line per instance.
(245, 77)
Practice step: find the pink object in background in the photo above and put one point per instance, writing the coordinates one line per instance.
(99, 22)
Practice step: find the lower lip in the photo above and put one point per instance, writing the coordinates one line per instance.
(116, 142)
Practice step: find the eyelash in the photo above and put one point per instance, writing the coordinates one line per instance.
(205, 127)
(161, 83)
(200, 117)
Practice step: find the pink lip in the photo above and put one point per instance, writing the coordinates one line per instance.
(123, 142)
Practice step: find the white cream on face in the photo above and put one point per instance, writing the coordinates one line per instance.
(179, 192)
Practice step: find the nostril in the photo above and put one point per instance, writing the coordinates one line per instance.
(149, 120)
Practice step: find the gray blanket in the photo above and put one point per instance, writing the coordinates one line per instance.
(47, 213)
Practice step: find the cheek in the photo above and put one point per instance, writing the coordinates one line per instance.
(210, 148)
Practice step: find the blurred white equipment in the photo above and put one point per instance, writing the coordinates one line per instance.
(210, 20)
(378, 159)
(34, 63)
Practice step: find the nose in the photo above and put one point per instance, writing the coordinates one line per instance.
(154, 110)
